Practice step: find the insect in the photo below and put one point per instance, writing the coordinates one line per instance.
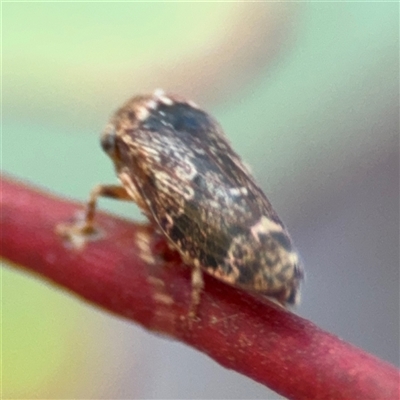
(174, 160)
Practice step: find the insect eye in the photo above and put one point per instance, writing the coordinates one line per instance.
(108, 141)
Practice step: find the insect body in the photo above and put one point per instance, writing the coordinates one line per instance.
(174, 161)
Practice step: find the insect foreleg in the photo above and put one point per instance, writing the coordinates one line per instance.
(111, 191)
(79, 231)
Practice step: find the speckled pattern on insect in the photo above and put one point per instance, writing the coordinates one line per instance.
(175, 162)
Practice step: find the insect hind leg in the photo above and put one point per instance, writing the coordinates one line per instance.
(197, 287)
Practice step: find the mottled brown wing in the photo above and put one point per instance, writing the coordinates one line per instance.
(197, 188)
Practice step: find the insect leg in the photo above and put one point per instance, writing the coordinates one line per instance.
(197, 287)
(79, 231)
(110, 191)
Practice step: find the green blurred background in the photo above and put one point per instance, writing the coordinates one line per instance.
(308, 94)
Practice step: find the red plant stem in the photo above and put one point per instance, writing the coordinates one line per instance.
(129, 272)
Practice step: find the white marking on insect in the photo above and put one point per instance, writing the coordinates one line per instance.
(159, 95)
(264, 226)
(186, 170)
(166, 184)
(193, 104)
(238, 191)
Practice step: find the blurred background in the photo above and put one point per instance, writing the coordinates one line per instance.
(308, 93)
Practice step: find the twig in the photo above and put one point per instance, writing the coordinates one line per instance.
(129, 272)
